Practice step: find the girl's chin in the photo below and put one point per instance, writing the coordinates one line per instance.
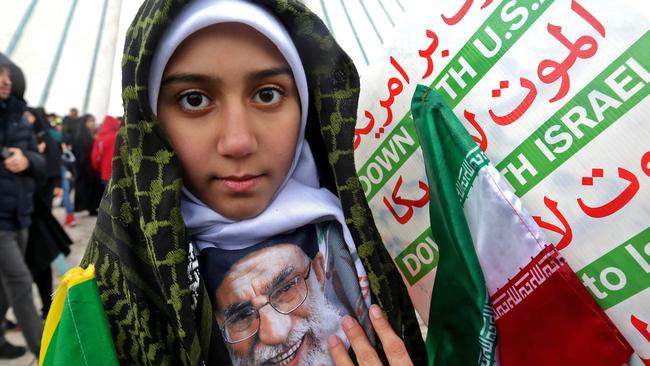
(238, 209)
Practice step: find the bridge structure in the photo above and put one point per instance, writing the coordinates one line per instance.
(70, 50)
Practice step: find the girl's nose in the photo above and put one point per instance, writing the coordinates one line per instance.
(236, 136)
(274, 327)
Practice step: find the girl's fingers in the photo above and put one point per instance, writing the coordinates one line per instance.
(392, 344)
(338, 351)
(366, 354)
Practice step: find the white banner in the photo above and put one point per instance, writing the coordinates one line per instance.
(555, 93)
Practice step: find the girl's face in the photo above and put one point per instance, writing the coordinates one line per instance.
(230, 108)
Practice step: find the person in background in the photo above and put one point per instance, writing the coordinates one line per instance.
(87, 183)
(72, 122)
(20, 163)
(51, 119)
(68, 173)
(67, 164)
(47, 239)
(102, 153)
(67, 176)
(67, 160)
(49, 185)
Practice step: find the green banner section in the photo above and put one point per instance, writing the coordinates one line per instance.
(498, 33)
(393, 152)
(616, 90)
(621, 273)
(419, 258)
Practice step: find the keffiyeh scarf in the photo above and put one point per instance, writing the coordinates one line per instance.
(140, 246)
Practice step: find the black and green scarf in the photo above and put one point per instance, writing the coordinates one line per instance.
(139, 247)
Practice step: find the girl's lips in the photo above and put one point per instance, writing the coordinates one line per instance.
(241, 184)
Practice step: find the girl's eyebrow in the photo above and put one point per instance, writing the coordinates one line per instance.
(275, 71)
(203, 78)
(188, 78)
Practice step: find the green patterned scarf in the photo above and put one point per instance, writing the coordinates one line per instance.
(139, 246)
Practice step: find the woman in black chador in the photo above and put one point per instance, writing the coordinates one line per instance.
(88, 187)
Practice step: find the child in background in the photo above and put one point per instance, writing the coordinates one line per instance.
(237, 139)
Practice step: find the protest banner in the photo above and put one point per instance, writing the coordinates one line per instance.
(555, 94)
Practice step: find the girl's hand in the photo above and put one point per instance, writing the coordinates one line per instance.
(366, 354)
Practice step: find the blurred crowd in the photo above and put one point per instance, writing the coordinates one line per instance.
(43, 156)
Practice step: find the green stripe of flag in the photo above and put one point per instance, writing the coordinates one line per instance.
(82, 336)
(459, 295)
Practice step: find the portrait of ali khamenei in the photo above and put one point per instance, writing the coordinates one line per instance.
(277, 302)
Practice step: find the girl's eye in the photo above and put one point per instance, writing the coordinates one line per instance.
(268, 96)
(194, 101)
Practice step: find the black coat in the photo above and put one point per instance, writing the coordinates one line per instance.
(46, 236)
(52, 151)
(17, 190)
(88, 185)
(51, 176)
(46, 239)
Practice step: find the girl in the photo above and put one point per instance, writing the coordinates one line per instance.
(234, 194)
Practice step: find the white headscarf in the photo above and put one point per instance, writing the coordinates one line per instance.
(299, 200)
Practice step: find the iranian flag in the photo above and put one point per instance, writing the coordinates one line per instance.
(503, 295)
(76, 330)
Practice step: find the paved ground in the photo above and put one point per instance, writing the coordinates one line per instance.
(80, 235)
